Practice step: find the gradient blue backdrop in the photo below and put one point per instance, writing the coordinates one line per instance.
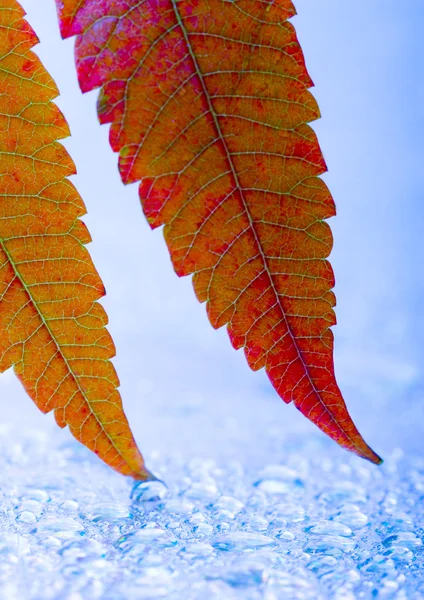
(183, 385)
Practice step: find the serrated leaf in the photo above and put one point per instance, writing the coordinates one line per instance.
(209, 107)
(52, 329)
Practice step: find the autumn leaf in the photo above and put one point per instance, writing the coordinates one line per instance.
(52, 329)
(209, 108)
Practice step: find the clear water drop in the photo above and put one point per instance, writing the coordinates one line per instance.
(202, 491)
(148, 492)
(329, 544)
(197, 550)
(111, 512)
(62, 527)
(26, 517)
(246, 572)
(404, 538)
(329, 528)
(229, 503)
(147, 536)
(241, 540)
(399, 554)
(179, 506)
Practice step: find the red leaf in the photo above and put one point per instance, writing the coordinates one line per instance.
(209, 105)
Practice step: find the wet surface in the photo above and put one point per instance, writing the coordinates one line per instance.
(313, 523)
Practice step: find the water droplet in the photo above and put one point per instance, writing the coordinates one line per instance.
(196, 519)
(197, 549)
(399, 554)
(329, 528)
(13, 543)
(285, 536)
(223, 516)
(278, 479)
(329, 544)
(229, 503)
(148, 491)
(26, 517)
(258, 501)
(147, 536)
(404, 538)
(279, 473)
(31, 505)
(291, 513)
(246, 572)
(83, 548)
(286, 586)
(323, 564)
(255, 523)
(378, 564)
(203, 529)
(400, 522)
(70, 506)
(37, 495)
(269, 486)
(202, 491)
(344, 491)
(352, 517)
(241, 540)
(179, 506)
(62, 527)
(111, 512)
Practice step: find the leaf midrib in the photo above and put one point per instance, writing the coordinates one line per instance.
(249, 216)
(70, 371)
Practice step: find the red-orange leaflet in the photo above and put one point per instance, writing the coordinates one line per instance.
(209, 106)
(52, 329)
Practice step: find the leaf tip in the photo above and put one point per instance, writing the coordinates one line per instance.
(371, 456)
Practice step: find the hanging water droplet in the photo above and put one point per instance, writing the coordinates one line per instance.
(148, 492)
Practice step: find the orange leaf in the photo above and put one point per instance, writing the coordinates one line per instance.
(52, 329)
(209, 105)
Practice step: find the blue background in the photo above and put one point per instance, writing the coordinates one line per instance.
(183, 385)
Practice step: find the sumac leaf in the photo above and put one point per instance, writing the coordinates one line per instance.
(52, 329)
(209, 108)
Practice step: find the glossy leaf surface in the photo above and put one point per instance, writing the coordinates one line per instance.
(209, 108)
(52, 329)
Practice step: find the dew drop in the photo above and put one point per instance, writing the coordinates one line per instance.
(240, 540)
(26, 517)
(329, 528)
(148, 491)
